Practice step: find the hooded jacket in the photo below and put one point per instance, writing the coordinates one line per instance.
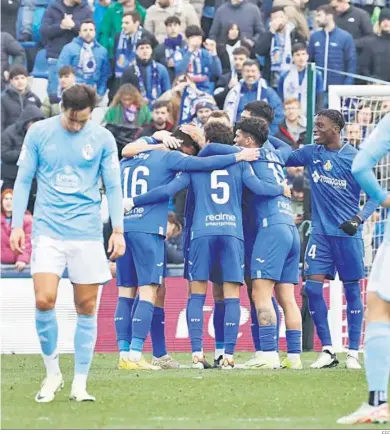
(12, 141)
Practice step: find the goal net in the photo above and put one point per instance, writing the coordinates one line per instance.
(363, 107)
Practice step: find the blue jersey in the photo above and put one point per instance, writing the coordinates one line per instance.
(68, 167)
(152, 169)
(374, 148)
(334, 191)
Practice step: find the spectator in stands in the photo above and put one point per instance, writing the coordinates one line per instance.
(12, 51)
(352, 19)
(353, 134)
(313, 5)
(203, 110)
(148, 76)
(12, 140)
(292, 130)
(365, 118)
(67, 78)
(245, 14)
(26, 22)
(112, 22)
(128, 108)
(61, 23)
(170, 51)
(16, 97)
(9, 13)
(332, 48)
(297, 198)
(225, 48)
(159, 122)
(7, 255)
(163, 9)
(293, 172)
(276, 45)
(296, 14)
(202, 65)
(100, 9)
(251, 88)
(174, 240)
(230, 79)
(88, 58)
(293, 83)
(375, 59)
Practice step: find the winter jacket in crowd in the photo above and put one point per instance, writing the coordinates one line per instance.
(12, 140)
(170, 49)
(10, 47)
(356, 22)
(49, 109)
(334, 50)
(283, 133)
(96, 74)
(222, 87)
(112, 24)
(13, 103)
(246, 15)
(116, 115)
(7, 255)
(375, 58)
(9, 13)
(156, 16)
(53, 37)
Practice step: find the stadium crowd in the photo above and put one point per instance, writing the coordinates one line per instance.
(157, 66)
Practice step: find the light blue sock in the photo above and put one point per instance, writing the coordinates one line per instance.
(355, 313)
(47, 329)
(84, 343)
(377, 357)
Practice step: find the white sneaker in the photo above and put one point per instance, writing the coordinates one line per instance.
(325, 360)
(352, 362)
(50, 386)
(261, 362)
(253, 362)
(81, 395)
(367, 414)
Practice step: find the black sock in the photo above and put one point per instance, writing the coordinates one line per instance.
(377, 398)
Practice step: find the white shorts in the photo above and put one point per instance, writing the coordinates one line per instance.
(86, 261)
(379, 280)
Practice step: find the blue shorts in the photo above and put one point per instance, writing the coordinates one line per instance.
(143, 262)
(326, 254)
(275, 254)
(219, 258)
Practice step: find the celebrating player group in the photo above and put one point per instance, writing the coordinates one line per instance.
(239, 226)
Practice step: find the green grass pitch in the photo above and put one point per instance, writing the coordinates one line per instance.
(182, 398)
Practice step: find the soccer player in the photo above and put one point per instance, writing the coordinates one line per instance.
(68, 154)
(377, 339)
(143, 263)
(275, 252)
(336, 240)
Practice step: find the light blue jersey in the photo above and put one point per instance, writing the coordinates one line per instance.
(374, 148)
(68, 167)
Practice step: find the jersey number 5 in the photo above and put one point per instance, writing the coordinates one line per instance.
(139, 185)
(223, 187)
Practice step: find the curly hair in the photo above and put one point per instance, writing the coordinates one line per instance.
(128, 90)
(334, 116)
(256, 128)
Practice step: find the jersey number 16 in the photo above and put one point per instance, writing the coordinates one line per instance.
(138, 184)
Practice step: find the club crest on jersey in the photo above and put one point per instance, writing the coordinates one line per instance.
(87, 152)
(328, 166)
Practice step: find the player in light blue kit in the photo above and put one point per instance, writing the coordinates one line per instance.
(145, 226)
(68, 154)
(336, 241)
(377, 338)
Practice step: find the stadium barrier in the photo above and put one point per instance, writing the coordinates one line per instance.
(18, 316)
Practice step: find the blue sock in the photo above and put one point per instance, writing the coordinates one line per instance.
(142, 320)
(123, 322)
(218, 319)
(135, 304)
(294, 341)
(157, 332)
(255, 328)
(318, 310)
(377, 359)
(84, 343)
(277, 313)
(268, 338)
(354, 313)
(195, 321)
(231, 323)
(47, 329)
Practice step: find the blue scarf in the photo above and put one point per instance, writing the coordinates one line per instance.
(187, 105)
(87, 63)
(197, 62)
(173, 48)
(125, 52)
(156, 86)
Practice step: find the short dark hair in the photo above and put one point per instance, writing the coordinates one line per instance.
(333, 115)
(256, 128)
(172, 20)
(327, 9)
(88, 21)
(251, 62)
(187, 141)
(144, 41)
(66, 70)
(160, 104)
(79, 97)
(17, 70)
(135, 16)
(194, 31)
(241, 51)
(261, 109)
(216, 132)
(299, 46)
(277, 9)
